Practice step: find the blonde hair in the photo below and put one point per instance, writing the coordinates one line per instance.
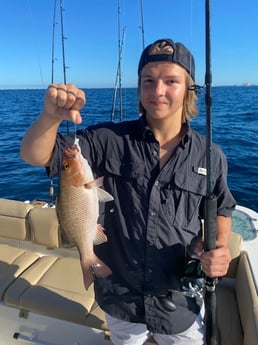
(189, 104)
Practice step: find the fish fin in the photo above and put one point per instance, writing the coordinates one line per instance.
(99, 181)
(100, 235)
(94, 183)
(104, 196)
(98, 269)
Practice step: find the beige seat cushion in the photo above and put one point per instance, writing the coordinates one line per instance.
(13, 219)
(247, 298)
(13, 262)
(53, 286)
(228, 318)
(44, 227)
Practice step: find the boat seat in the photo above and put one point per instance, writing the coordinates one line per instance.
(53, 286)
(13, 262)
(44, 227)
(14, 228)
(247, 298)
(237, 307)
(13, 216)
(228, 318)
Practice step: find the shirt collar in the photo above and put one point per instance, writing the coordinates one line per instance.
(147, 132)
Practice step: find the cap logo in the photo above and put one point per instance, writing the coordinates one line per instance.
(164, 48)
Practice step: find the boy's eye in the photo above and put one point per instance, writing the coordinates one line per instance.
(146, 81)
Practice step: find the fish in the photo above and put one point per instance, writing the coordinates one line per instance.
(77, 209)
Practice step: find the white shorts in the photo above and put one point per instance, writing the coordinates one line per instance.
(128, 333)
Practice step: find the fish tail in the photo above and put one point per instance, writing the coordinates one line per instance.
(97, 269)
(88, 276)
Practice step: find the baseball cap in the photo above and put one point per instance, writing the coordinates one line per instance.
(179, 54)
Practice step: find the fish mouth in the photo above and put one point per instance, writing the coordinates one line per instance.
(71, 152)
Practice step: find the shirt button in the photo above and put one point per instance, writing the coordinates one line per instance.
(153, 213)
(157, 183)
(155, 153)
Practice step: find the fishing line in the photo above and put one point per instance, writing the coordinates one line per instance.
(36, 45)
(51, 188)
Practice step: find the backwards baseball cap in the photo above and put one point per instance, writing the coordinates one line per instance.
(178, 54)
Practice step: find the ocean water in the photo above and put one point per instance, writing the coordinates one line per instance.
(235, 129)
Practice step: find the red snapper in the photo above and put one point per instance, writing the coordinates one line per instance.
(78, 211)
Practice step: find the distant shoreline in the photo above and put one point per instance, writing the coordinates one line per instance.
(12, 88)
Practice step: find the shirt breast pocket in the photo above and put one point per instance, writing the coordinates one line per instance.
(189, 190)
(124, 181)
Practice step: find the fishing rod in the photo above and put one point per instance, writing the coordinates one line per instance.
(63, 39)
(119, 63)
(51, 189)
(53, 43)
(142, 25)
(210, 208)
(119, 72)
(118, 77)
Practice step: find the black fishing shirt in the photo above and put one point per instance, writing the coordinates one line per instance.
(153, 220)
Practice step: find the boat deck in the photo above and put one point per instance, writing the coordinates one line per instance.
(43, 300)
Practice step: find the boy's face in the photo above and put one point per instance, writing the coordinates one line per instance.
(162, 90)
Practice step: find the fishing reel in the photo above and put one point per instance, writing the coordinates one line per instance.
(191, 285)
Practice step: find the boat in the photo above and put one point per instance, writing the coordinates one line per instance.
(44, 302)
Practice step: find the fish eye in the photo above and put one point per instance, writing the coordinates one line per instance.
(66, 165)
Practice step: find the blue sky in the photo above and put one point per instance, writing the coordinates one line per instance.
(91, 28)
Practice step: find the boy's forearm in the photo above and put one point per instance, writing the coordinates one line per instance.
(224, 227)
(38, 143)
